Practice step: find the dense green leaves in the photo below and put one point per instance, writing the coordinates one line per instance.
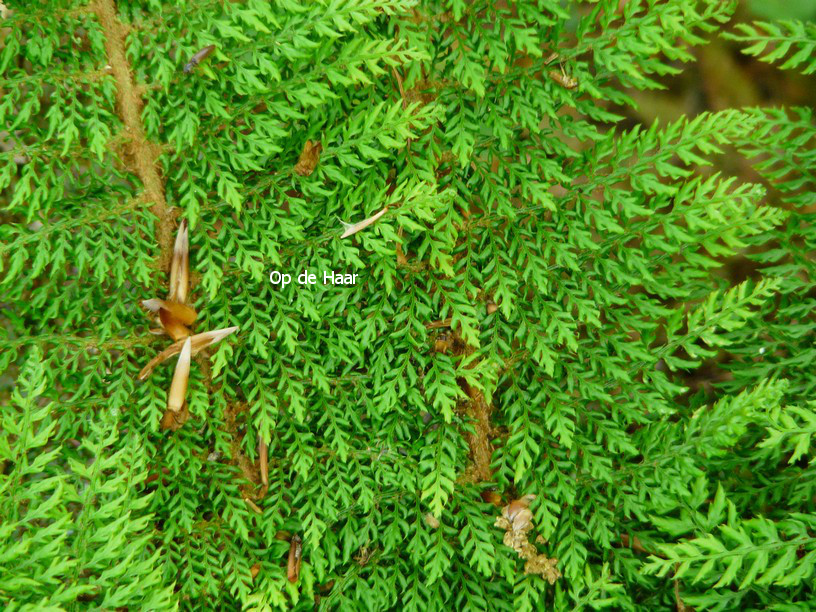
(531, 252)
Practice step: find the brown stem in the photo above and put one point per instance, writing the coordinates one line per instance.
(143, 154)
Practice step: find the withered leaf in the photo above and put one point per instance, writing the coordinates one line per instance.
(308, 158)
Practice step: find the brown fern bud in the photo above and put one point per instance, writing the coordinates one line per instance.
(255, 508)
(180, 266)
(172, 326)
(183, 313)
(295, 554)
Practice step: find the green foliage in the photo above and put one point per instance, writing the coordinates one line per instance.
(792, 44)
(74, 520)
(747, 554)
(537, 254)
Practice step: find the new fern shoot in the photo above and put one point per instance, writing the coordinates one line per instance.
(544, 388)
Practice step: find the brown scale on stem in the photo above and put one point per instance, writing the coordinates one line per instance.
(263, 460)
(295, 556)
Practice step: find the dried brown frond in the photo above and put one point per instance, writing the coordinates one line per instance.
(184, 314)
(172, 326)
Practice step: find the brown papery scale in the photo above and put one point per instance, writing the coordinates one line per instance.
(263, 459)
(295, 554)
(180, 266)
(196, 59)
(308, 159)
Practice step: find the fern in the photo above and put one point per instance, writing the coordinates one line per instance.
(540, 287)
(791, 44)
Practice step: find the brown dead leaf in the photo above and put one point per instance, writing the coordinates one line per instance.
(174, 328)
(183, 313)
